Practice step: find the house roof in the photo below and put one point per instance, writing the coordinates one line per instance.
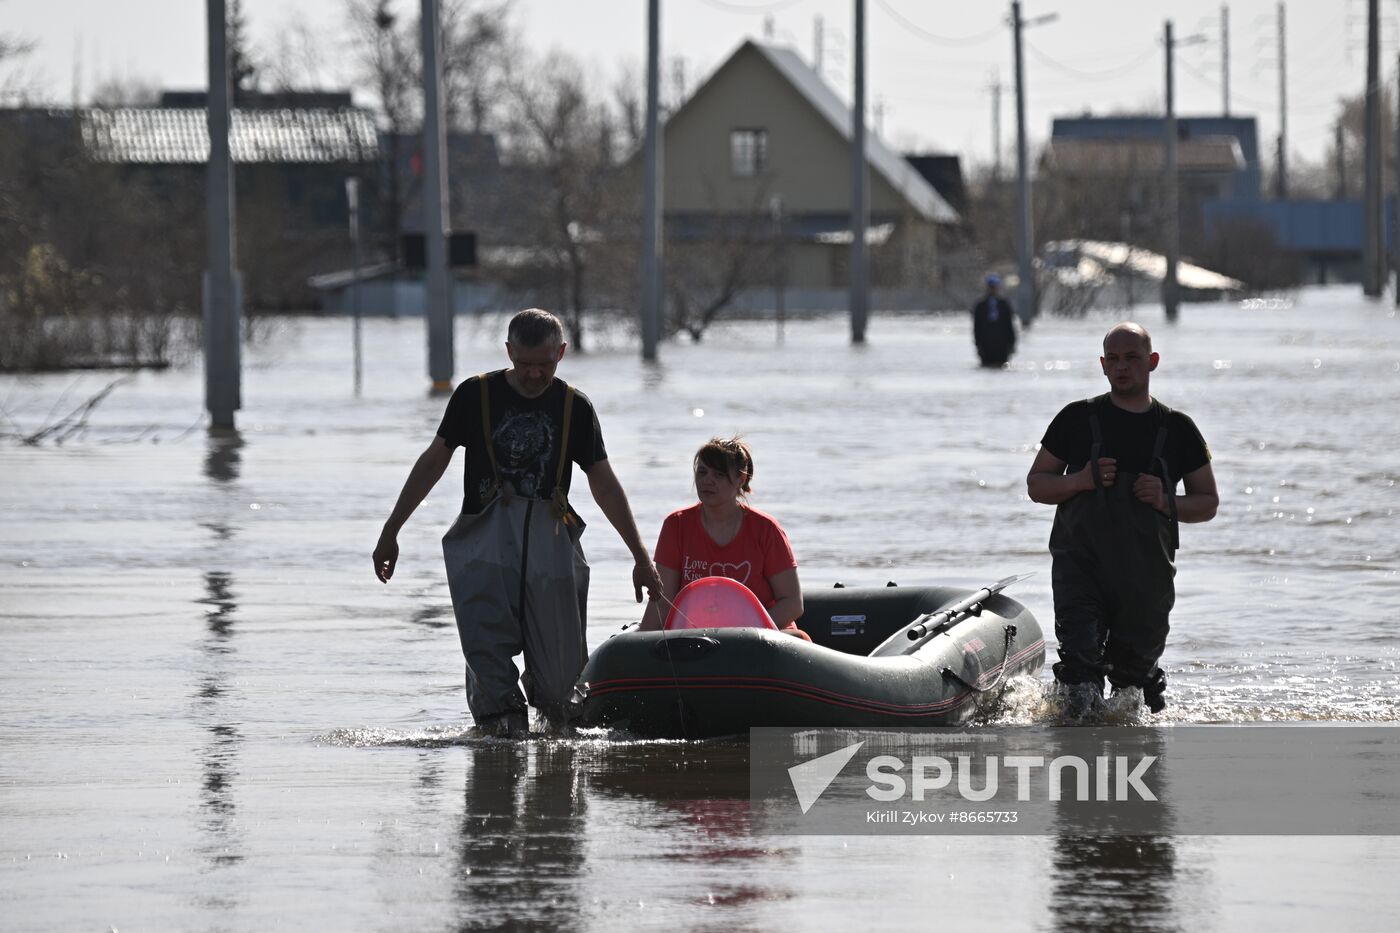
(180, 135)
(1126, 155)
(1095, 259)
(897, 172)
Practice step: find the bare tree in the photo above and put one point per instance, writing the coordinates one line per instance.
(125, 92)
(297, 58)
(13, 50)
(242, 67)
(94, 269)
(564, 141)
(475, 47)
(709, 266)
(476, 39)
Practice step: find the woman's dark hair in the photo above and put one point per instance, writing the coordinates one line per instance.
(729, 455)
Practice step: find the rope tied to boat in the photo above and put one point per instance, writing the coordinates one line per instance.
(951, 674)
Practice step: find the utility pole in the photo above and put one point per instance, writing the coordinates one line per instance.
(996, 127)
(1371, 251)
(775, 211)
(1282, 107)
(1171, 293)
(651, 192)
(438, 285)
(223, 299)
(818, 45)
(1225, 58)
(1341, 162)
(860, 208)
(1395, 203)
(352, 200)
(1026, 300)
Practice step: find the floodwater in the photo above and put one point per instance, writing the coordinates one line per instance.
(212, 716)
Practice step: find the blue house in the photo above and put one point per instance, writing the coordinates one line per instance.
(1223, 214)
(1246, 181)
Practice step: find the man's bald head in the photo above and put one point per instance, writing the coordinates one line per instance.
(1133, 328)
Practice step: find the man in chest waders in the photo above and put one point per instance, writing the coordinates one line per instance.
(1110, 466)
(517, 575)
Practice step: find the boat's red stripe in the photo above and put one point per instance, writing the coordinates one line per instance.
(793, 688)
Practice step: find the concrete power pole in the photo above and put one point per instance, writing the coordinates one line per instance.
(651, 191)
(438, 291)
(1340, 146)
(1372, 252)
(996, 127)
(1025, 267)
(1282, 106)
(1171, 293)
(1395, 206)
(222, 289)
(860, 207)
(1225, 58)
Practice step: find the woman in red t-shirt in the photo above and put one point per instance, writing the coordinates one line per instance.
(722, 536)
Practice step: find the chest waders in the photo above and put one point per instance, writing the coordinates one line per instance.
(519, 583)
(1112, 575)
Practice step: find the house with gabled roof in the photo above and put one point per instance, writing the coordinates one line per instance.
(766, 137)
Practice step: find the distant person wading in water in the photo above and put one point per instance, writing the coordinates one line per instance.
(1110, 466)
(993, 330)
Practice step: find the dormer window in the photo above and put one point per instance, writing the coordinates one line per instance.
(748, 152)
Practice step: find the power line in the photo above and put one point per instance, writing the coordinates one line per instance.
(1116, 72)
(1313, 107)
(920, 32)
(764, 6)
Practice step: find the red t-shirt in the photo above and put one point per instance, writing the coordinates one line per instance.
(759, 551)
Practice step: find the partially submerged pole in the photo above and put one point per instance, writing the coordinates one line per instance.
(860, 207)
(651, 191)
(1171, 294)
(438, 285)
(352, 199)
(1025, 266)
(222, 289)
(1371, 250)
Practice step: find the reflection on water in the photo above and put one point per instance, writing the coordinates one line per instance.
(218, 587)
(223, 456)
(1115, 883)
(522, 836)
(219, 755)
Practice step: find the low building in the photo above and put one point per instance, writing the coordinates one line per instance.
(292, 154)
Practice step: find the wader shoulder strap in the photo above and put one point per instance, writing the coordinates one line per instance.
(1096, 447)
(488, 443)
(559, 497)
(1159, 447)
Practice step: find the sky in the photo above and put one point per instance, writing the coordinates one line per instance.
(931, 64)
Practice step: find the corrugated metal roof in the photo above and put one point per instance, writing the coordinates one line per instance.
(1123, 156)
(899, 173)
(167, 135)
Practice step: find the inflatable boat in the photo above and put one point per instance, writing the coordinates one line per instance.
(879, 656)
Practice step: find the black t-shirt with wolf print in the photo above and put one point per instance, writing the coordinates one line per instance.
(526, 434)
